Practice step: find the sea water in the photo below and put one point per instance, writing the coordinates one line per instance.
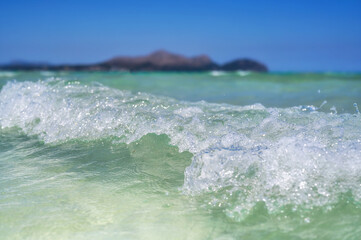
(215, 155)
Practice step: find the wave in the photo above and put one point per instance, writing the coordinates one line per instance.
(7, 74)
(249, 154)
(216, 73)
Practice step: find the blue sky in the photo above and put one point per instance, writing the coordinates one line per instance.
(290, 35)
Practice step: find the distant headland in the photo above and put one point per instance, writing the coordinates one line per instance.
(160, 60)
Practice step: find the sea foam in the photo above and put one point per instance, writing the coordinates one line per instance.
(248, 153)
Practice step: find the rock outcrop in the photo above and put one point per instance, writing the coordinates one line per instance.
(161, 61)
(157, 61)
(244, 65)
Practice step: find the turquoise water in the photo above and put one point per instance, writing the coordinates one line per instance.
(180, 155)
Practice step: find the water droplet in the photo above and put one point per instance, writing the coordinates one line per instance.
(357, 110)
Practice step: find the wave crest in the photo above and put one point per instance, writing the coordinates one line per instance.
(271, 155)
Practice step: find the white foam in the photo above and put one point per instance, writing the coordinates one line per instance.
(188, 112)
(253, 153)
(217, 73)
(7, 74)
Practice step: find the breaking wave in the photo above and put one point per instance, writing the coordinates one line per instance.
(249, 154)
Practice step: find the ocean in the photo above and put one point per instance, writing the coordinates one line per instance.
(213, 155)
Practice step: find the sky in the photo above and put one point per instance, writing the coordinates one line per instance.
(292, 35)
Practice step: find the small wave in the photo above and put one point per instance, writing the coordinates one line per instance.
(47, 73)
(243, 73)
(7, 74)
(250, 153)
(217, 73)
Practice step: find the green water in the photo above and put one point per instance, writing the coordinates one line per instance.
(179, 156)
(271, 90)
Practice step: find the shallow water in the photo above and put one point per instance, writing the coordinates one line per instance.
(180, 156)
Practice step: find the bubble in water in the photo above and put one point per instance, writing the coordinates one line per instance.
(333, 109)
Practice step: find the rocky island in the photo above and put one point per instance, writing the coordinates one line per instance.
(157, 61)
